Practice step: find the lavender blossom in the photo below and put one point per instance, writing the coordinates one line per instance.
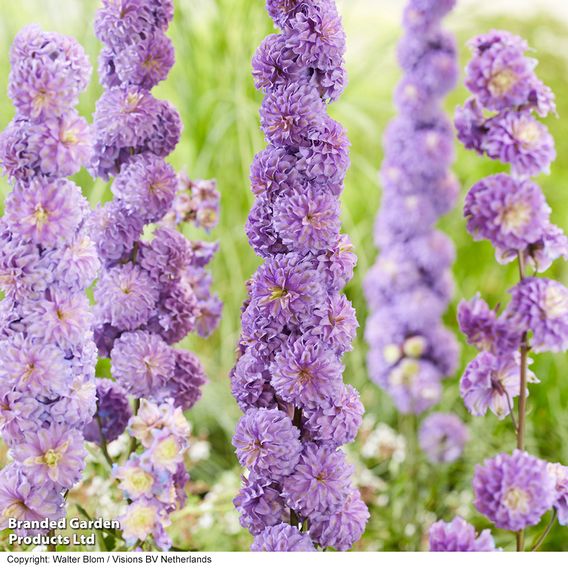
(267, 443)
(410, 286)
(154, 480)
(296, 324)
(113, 413)
(560, 473)
(541, 306)
(154, 289)
(459, 536)
(282, 538)
(514, 491)
(48, 261)
(442, 437)
(500, 121)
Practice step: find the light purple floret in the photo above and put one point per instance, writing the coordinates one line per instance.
(282, 538)
(514, 491)
(459, 536)
(442, 437)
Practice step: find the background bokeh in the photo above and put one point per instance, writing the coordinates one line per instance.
(212, 88)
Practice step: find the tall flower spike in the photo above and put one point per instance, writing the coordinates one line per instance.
(500, 121)
(152, 292)
(296, 324)
(47, 260)
(409, 287)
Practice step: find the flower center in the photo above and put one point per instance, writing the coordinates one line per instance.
(304, 376)
(405, 373)
(321, 477)
(392, 353)
(528, 134)
(40, 100)
(142, 519)
(410, 92)
(15, 510)
(502, 82)
(69, 137)
(51, 458)
(277, 292)
(515, 216)
(151, 64)
(29, 371)
(41, 215)
(432, 140)
(555, 302)
(415, 346)
(131, 102)
(140, 480)
(517, 500)
(253, 450)
(167, 450)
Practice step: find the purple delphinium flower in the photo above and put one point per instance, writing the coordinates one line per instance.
(343, 527)
(337, 422)
(502, 77)
(260, 506)
(26, 500)
(511, 211)
(511, 214)
(560, 473)
(296, 323)
(514, 491)
(154, 480)
(491, 382)
(54, 454)
(126, 296)
(459, 536)
(282, 538)
(47, 212)
(113, 413)
(48, 72)
(154, 289)
(410, 286)
(320, 482)
(540, 305)
(306, 374)
(442, 437)
(486, 330)
(142, 362)
(47, 353)
(147, 186)
(267, 443)
(521, 140)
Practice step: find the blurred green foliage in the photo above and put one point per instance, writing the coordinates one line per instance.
(212, 88)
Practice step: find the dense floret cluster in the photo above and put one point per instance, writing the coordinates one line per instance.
(47, 260)
(296, 324)
(409, 287)
(154, 288)
(154, 480)
(500, 121)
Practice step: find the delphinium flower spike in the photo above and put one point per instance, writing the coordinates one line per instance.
(296, 325)
(500, 121)
(153, 290)
(410, 286)
(47, 261)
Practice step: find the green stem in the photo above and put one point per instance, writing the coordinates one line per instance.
(297, 421)
(104, 446)
(134, 441)
(538, 543)
(521, 423)
(412, 457)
